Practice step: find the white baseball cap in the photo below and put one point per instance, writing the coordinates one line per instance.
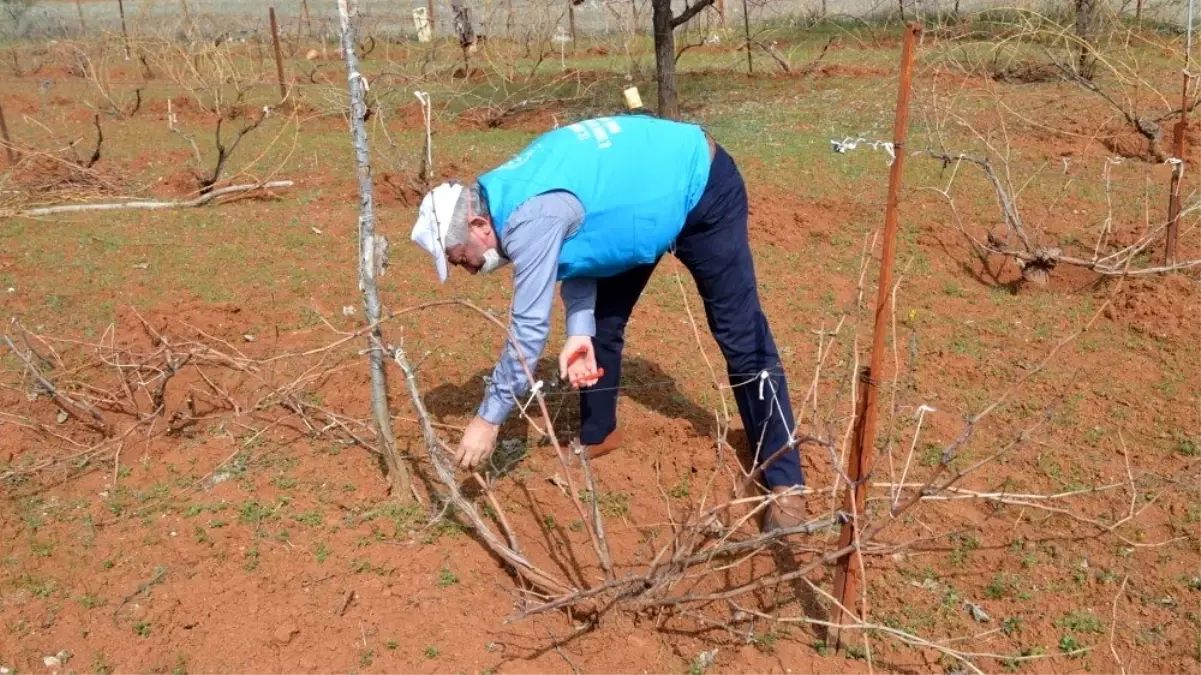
(433, 222)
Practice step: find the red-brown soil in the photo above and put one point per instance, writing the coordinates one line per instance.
(250, 541)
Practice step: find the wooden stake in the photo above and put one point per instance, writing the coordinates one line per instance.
(746, 24)
(1169, 257)
(429, 8)
(279, 59)
(862, 456)
(721, 12)
(308, 18)
(571, 22)
(83, 25)
(8, 142)
(124, 32)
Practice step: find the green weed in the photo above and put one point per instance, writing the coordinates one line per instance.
(323, 552)
(963, 545)
(681, 489)
(90, 601)
(310, 518)
(1082, 622)
(251, 559)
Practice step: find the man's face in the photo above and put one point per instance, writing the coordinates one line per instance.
(474, 254)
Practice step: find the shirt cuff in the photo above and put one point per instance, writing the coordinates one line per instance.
(494, 410)
(581, 323)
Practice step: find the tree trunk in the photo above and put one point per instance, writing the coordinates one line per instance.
(1086, 24)
(665, 58)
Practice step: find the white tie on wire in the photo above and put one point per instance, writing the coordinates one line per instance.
(921, 417)
(356, 75)
(765, 376)
(534, 391)
(851, 143)
(1176, 163)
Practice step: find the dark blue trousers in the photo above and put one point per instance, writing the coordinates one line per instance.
(714, 247)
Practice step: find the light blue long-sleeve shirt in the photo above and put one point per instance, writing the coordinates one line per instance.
(533, 236)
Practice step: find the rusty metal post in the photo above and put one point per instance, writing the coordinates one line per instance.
(124, 31)
(8, 143)
(721, 12)
(279, 59)
(308, 18)
(862, 455)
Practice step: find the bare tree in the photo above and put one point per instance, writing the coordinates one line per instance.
(14, 11)
(664, 25)
(1086, 28)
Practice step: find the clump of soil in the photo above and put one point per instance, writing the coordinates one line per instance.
(1025, 73)
(1164, 308)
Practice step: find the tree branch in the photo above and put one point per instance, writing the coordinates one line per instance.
(150, 206)
(692, 11)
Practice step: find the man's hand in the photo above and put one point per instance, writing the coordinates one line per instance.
(577, 362)
(479, 440)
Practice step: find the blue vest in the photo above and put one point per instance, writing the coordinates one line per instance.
(637, 177)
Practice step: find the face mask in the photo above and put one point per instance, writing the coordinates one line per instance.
(492, 261)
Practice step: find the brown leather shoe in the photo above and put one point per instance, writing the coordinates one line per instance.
(786, 511)
(612, 442)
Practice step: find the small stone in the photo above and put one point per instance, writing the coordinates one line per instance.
(706, 659)
(62, 417)
(284, 634)
(977, 612)
(52, 661)
(248, 337)
(347, 310)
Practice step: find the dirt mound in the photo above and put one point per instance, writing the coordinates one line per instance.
(1165, 308)
(44, 177)
(1128, 143)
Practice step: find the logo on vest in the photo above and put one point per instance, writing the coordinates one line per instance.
(599, 129)
(521, 158)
